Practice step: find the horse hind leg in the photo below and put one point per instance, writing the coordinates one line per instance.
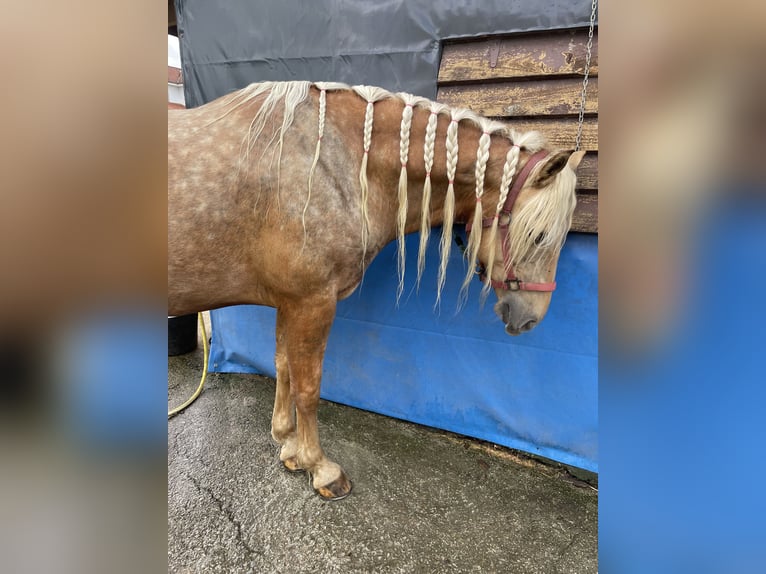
(307, 327)
(283, 428)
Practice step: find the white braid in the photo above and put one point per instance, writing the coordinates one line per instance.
(449, 200)
(428, 159)
(404, 150)
(509, 170)
(322, 112)
(368, 117)
(474, 239)
(371, 94)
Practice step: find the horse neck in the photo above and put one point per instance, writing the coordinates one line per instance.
(385, 164)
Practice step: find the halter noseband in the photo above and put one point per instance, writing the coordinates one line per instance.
(512, 283)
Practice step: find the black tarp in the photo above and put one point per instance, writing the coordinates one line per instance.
(395, 44)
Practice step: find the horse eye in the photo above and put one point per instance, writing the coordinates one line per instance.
(539, 238)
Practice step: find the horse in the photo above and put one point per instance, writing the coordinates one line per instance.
(282, 193)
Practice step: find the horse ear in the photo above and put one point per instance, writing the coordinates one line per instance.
(575, 159)
(550, 168)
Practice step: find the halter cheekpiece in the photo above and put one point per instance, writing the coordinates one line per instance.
(511, 282)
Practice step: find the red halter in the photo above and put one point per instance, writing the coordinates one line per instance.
(512, 283)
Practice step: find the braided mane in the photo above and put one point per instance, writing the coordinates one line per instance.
(547, 213)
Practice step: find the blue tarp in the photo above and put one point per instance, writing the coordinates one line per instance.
(456, 371)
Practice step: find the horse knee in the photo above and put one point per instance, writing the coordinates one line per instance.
(280, 362)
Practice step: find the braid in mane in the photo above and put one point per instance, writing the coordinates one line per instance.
(404, 150)
(372, 95)
(509, 169)
(532, 142)
(428, 158)
(322, 113)
(474, 238)
(449, 199)
(368, 116)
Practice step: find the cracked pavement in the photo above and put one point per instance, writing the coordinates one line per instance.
(423, 500)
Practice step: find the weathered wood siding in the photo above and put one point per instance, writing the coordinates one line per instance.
(535, 81)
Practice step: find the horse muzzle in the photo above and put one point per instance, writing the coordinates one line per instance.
(515, 322)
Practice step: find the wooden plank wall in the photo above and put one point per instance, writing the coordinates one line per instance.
(533, 81)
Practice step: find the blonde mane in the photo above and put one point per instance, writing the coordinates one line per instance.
(540, 226)
(538, 230)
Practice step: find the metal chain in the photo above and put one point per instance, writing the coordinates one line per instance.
(589, 47)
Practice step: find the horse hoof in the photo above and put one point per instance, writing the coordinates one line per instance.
(337, 490)
(291, 464)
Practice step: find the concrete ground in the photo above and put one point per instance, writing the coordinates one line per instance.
(423, 500)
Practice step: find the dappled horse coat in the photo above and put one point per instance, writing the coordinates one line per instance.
(281, 194)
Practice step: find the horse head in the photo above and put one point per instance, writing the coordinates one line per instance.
(518, 258)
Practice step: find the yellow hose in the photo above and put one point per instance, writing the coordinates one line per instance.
(191, 399)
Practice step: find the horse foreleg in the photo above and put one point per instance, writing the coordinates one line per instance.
(307, 327)
(283, 417)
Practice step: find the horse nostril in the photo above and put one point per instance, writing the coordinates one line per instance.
(529, 325)
(503, 311)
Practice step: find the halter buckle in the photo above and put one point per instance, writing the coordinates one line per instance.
(513, 284)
